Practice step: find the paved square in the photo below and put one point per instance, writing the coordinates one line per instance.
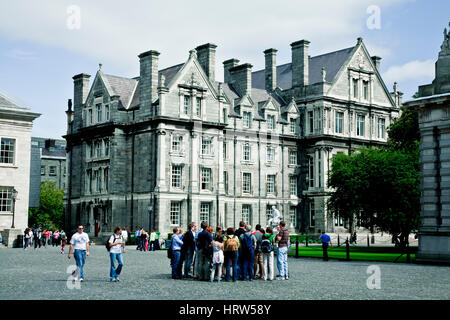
(42, 274)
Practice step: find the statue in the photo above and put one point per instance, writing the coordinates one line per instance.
(324, 74)
(275, 220)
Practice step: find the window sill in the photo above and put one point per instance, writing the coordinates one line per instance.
(4, 165)
(98, 159)
(207, 156)
(177, 154)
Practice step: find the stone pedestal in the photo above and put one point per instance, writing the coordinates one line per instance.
(10, 237)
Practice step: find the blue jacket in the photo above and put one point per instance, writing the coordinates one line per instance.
(176, 242)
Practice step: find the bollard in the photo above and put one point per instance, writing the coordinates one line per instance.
(306, 242)
(339, 243)
(296, 247)
(373, 239)
(408, 256)
(368, 241)
(347, 249)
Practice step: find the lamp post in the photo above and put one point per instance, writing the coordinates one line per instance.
(14, 197)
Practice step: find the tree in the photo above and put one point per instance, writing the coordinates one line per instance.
(404, 133)
(379, 186)
(50, 211)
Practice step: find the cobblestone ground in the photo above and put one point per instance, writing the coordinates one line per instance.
(42, 274)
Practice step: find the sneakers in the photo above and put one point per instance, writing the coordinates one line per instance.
(117, 279)
(114, 280)
(287, 278)
(81, 279)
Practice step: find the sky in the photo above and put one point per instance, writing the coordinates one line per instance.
(43, 44)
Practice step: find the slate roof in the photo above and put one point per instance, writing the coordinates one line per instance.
(332, 62)
(7, 102)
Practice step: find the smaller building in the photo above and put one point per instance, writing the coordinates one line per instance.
(16, 123)
(48, 163)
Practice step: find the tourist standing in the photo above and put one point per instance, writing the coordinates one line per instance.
(138, 239)
(124, 237)
(63, 237)
(217, 258)
(26, 236)
(144, 240)
(37, 237)
(196, 268)
(55, 238)
(116, 245)
(30, 236)
(231, 254)
(188, 249)
(153, 239)
(79, 242)
(240, 231)
(283, 243)
(258, 254)
(248, 246)
(46, 235)
(267, 249)
(177, 243)
(326, 240)
(204, 240)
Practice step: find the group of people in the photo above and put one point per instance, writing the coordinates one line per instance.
(241, 254)
(44, 238)
(146, 241)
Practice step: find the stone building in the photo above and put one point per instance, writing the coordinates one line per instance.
(16, 123)
(433, 105)
(48, 163)
(174, 145)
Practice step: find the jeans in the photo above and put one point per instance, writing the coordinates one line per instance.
(80, 258)
(247, 267)
(152, 246)
(188, 258)
(268, 265)
(115, 272)
(37, 243)
(325, 251)
(282, 261)
(26, 243)
(231, 258)
(176, 254)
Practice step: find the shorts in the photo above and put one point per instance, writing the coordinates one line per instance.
(258, 257)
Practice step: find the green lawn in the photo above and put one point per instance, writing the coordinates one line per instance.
(386, 254)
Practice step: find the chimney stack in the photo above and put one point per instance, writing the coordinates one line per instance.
(148, 82)
(206, 55)
(270, 71)
(300, 63)
(241, 78)
(227, 65)
(80, 93)
(376, 61)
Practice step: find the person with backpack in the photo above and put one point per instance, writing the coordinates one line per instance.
(238, 233)
(115, 245)
(267, 249)
(283, 246)
(248, 246)
(258, 254)
(231, 254)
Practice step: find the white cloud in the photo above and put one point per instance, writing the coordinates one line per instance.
(417, 71)
(117, 31)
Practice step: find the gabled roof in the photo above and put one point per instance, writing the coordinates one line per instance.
(332, 62)
(123, 87)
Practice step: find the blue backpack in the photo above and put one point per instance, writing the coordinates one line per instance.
(247, 245)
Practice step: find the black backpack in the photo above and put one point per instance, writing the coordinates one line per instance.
(266, 246)
(107, 242)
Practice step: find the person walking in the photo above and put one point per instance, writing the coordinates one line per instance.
(124, 236)
(188, 249)
(231, 254)
(248, 246)
(240, 231)
(46, 235)
(153, 239)
(176, 245)
(30, 237)
(138, 239)
(116, 245)
(326, 241)
(196, 268)
(80, 243)
(63, 237)
(26, 236)
(55, 238)
(267, 249)
(37, 234)
(204, 240)
(258, 254)
(144, 240)
(217, 258)
(283, 243)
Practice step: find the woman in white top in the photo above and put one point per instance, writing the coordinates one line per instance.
(217, 259)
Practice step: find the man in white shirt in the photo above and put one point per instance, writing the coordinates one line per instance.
(115, 253)
(79, 242)
(124, 237)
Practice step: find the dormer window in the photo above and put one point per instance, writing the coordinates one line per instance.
(366, 90)
(107, 113)
(90, 117)
(270, 122)
(246, 119)
(355, 88)
(99, 112)
(292, 125)
(187, 103)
